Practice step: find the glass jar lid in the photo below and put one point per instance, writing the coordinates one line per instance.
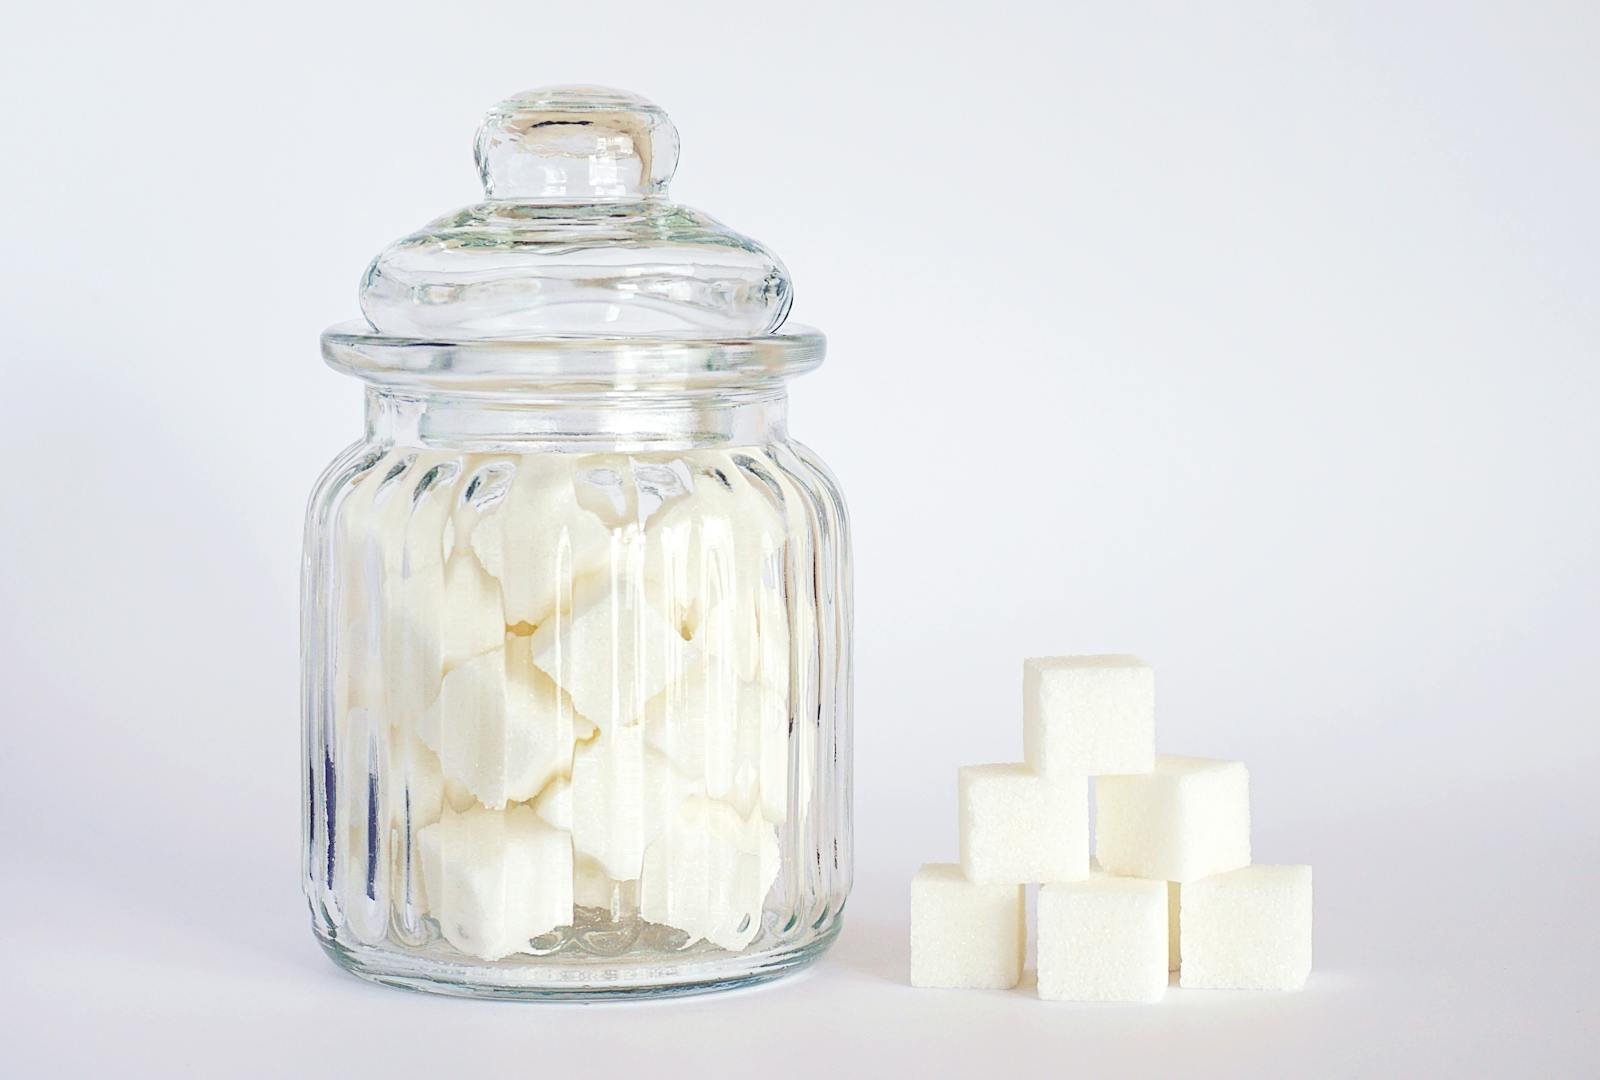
(576, 266)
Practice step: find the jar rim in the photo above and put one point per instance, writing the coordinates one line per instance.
(556, 363)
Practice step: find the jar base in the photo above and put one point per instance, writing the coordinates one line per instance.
(527, 979)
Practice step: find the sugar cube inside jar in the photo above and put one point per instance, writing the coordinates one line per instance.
(576, 608)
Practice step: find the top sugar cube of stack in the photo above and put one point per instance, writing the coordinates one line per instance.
(1088, 715)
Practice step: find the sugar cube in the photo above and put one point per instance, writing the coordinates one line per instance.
(1187, 819)
(1088, 715)
(554, 804)
(592, 887)
(715, 560)
(731, 734)
(962, 934)
(709, 871)
(623, 793)
(410, 608)
(458, 796)
(1174, 930)
(1104, 939)
(537, 538)
(437, 616)
(496, 879)
(501, 727)
(613, 651)
(1018, 827)
(389, 786)
(417, 783)
(1248, 929)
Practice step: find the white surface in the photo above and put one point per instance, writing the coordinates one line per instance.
(1258, 339)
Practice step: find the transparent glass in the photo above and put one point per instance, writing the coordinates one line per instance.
(577, 685)
(576, 237)
(577, 611)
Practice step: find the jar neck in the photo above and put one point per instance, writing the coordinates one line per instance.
(591, 422)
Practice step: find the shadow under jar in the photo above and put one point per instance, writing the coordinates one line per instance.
(576, 642)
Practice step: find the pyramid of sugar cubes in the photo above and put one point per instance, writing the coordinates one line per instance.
(1169, 887)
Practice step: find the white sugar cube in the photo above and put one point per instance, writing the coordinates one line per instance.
(729, 733)
(715, 562)
(537, 539)
(754, 629)
(417, 780)
(458, 796)
(436, 617)
(1248, 929)
(358, 665)
(1174, 932)
(554, 803)
(1187, 819)
(1018, 827)
(453, 610)
(1088, 715)
(410, 607)
(592, 887)
(965, 935)
(708, 873)
(500, 727)
(387, 782)
(613, 651)
(437, 609)
(496, 879)
(1104, 939)
(472, 616)
(623, 794)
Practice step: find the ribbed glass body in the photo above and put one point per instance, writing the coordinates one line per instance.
(576, 693)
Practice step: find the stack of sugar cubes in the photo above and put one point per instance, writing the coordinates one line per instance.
(1170, 888)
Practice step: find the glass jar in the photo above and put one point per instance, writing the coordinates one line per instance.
(576, 642)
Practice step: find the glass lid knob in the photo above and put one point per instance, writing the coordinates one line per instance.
(576, 143)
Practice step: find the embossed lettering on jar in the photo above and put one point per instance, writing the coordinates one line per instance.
(576, 641)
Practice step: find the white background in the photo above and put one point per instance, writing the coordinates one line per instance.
(1259, 339)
